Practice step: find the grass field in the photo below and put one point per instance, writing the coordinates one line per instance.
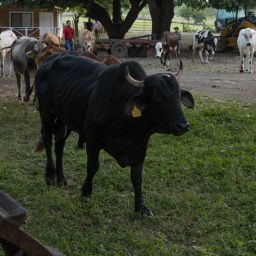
(201, 188)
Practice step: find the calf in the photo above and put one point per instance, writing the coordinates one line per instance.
(50, 39)
(87, 40)
(246, 43)
(6, 40)
(22, 64)
(169, 43)
(205, 41)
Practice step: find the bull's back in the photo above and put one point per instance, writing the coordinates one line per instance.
(64, 85)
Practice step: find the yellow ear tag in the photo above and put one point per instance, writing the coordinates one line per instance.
(136, 112)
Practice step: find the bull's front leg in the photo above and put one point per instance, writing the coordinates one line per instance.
(136, 178)
(242, 56)
(206, 56)
(92, 150)
(250, 62)
(200, 53)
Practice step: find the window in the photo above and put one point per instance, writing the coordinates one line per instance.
(23, 19)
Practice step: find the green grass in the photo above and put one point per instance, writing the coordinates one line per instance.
(200, 186)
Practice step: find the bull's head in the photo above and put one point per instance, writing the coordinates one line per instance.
(248, 35)
(160, 98)
(38, 46)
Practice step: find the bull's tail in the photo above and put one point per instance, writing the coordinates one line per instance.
(180, 70)
(40, 145)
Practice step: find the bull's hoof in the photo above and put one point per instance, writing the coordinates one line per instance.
(50, 181)
(26, 98)
(62, 182)
(144, 211)
(241, 71)
(85, 199)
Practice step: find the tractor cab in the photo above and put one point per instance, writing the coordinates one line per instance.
(230, 31)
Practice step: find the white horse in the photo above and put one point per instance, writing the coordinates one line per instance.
(6, 40)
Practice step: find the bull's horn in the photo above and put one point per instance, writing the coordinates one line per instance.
(131, 80)
(179, 73)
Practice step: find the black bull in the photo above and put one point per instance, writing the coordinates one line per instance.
(115, 108)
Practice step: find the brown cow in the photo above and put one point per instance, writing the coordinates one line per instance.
(50, 39)
(170, 43)
(48, 51)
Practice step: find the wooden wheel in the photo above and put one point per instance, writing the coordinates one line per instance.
(119, 49)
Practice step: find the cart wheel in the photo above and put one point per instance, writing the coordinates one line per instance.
(151, 52)
(119, 49)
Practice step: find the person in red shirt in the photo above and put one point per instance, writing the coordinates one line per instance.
(69, 33)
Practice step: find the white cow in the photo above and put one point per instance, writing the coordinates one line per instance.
(246, 43)
(6, 39)
(205, 41)
(87, 40)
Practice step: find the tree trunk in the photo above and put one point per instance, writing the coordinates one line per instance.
(162, 12)
(117, 14)
(76, 21)
(115, 28)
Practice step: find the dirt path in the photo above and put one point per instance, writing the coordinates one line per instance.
(220, 79)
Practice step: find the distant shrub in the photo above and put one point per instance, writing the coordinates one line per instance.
(186, 28)
(209, 27)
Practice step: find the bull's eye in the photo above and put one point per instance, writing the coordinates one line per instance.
(160, 49)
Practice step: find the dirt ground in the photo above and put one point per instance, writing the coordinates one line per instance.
(220, 79)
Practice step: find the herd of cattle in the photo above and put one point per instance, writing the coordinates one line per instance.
(111, 105)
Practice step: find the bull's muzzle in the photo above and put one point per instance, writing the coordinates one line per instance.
(249, 44)
(180, 128)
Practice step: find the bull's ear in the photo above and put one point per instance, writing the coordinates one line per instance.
(187, 99)
(134, 106)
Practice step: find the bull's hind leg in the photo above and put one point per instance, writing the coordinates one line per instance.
(59, 147)
(18, 77)
(136, 178)
(27, 86)
(47, 131)
(92, 167)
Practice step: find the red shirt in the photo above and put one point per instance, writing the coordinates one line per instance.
(68, 33)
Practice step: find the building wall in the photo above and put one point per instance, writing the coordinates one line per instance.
(5, 12)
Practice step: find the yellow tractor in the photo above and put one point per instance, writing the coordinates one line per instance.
(230, 32)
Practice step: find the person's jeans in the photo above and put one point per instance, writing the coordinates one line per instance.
(69, 45)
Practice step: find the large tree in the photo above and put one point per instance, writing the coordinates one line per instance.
(116, 25)
(162, 12)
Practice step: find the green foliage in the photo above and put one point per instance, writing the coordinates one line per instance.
(201, 187)
(189, 13)
(186, 28)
